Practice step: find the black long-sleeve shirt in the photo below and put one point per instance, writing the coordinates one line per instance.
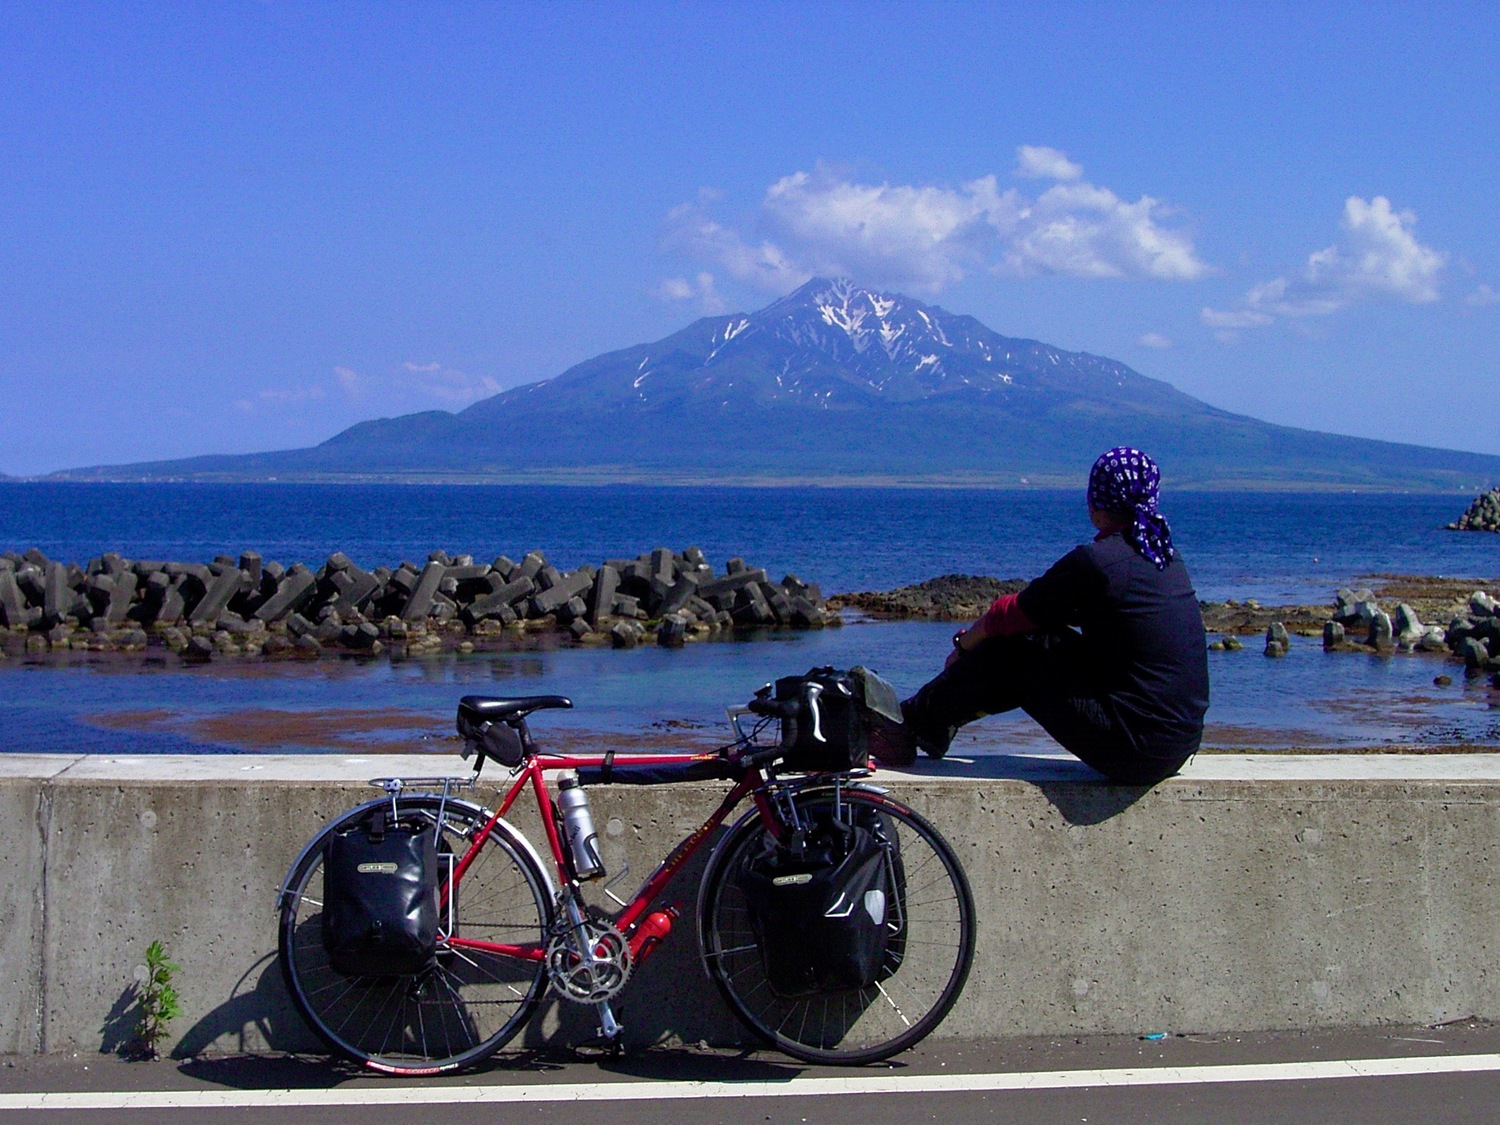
(1144, 632)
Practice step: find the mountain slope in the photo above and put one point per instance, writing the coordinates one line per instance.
(837, 381)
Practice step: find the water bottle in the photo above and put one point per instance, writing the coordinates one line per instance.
(652, 931)
(578, 826)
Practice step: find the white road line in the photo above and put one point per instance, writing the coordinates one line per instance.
(791, 1088)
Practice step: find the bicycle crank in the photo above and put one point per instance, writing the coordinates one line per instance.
(599, 973)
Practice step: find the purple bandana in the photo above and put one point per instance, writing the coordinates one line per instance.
(1124, 482)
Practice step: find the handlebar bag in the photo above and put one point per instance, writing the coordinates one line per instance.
(827, 735)
(833, 734)
(380, 891)
(819, 907)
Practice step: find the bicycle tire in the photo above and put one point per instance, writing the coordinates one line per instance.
(469, 1003)
(859, 1025)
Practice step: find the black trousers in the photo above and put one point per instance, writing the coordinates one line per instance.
(1047, 675)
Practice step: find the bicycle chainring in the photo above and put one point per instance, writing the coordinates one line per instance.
(589, 980)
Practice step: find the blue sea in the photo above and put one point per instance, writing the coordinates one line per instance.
(1276, 547)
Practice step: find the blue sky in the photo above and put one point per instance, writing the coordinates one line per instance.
(245, 226)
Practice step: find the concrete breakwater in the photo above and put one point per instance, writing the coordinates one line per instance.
(1482, 515)
(250, 607)
(1248, 893)
(1471, 634)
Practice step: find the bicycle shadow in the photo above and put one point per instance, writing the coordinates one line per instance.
(256, 1016)
(668, 1000)
(1080, 794)
(117, 1035)
(320, 1072)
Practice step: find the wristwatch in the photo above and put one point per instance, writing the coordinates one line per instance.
(957, 638)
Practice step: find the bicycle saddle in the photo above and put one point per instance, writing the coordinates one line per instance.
(491, 709)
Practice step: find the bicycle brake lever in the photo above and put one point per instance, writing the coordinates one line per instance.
(812, 691)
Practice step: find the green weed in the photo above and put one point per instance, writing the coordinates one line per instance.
(156, 999)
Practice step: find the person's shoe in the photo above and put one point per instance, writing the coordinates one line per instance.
(932, 749)
(892, 744)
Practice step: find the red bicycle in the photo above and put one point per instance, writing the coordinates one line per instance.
(512, 920)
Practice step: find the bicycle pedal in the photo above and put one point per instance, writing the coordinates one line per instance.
(601, 1046)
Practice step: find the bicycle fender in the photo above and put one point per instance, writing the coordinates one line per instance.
(479, 812)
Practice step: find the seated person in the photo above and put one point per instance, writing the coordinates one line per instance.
(1105, 650)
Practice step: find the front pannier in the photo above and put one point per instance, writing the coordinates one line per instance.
(380, 890)
(819, 906)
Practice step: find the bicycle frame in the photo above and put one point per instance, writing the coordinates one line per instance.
(531, 774)
(527, 925)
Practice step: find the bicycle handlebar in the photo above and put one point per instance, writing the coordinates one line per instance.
(776, 708)
(792, 710)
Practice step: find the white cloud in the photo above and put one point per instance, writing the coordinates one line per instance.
(444, 385)
(1377, 257)
(1038, 162)
(417, 386)
(929, 236)
(700, 290)
(1154, 340)
(693, 233)
(310, 393)
(1079, 230)
(675, 289)
(1234, 318)
(1484, 295)
(278, 400)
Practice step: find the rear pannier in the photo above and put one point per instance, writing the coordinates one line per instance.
(380, 887)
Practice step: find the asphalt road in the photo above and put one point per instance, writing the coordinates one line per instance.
(1386, 1075)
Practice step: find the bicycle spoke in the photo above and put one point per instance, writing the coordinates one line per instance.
(894, 1007)
(931, 916)
(466, 1004)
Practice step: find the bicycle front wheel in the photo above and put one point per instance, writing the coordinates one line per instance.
(926, 963)
(469, 1002)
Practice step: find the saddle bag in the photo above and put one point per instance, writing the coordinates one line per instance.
(820, 907)
(380, 891)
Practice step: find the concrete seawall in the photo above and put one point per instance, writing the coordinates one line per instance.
(1250, 893)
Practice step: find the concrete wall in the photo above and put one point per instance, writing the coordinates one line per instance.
(1247, 894)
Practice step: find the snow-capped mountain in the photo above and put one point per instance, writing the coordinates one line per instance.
(838, 382)
(834, 344)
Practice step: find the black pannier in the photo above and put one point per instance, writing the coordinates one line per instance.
(895, 912)
(822, 905)
(833, 714)
(380, 892)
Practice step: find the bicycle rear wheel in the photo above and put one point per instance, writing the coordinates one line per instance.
(923, 973)
(465, 1006)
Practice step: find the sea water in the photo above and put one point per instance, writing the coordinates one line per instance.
(1279, 548)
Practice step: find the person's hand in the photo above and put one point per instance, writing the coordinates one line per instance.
(953, 658)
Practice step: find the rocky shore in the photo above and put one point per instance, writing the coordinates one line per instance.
(951, 597)
(1401, 613)
(247, 607)
(1483, 514)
